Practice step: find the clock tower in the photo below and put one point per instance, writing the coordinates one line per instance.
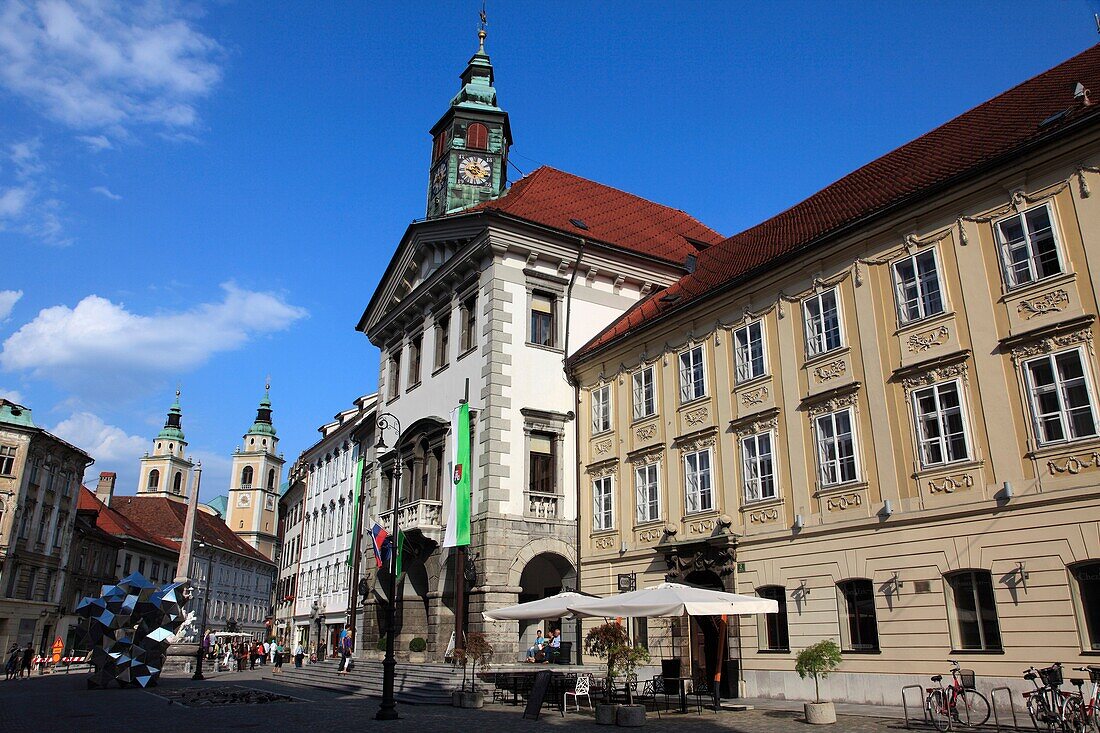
(252, 509)
(470, 143)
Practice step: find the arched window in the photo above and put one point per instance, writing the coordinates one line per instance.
(859, 623)
(774, 637)
(246, 477)
(477, 136)
(154, 480)
(177, 483)
(439, 145)
(271, 479)
(1087, 578)
(974, 610)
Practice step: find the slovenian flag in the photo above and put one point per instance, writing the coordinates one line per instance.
(381, 543)
(458, 518)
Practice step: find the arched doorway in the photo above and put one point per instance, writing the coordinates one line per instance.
(707, 650)
(544, 575)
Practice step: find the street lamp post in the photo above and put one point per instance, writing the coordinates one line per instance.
(388, 709)
(201, 652)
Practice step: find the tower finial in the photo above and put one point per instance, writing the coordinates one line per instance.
(481, 33)
(267, 384)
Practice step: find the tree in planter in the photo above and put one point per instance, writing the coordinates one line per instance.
(478, 651)
(611, 642)
(818, 661)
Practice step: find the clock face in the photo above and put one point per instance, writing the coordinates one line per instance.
(439, 177)
(475, 170)
(244, 500)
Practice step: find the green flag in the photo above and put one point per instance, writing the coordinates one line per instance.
(355, 517)
(458, 518)
(400, 551)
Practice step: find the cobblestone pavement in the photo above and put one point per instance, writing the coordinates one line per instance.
(64, 704)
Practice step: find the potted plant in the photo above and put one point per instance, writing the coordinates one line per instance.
(818, 661)
(416, 651)
(610, 641)
(478, 651)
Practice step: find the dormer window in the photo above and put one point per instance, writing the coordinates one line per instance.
(477, 136)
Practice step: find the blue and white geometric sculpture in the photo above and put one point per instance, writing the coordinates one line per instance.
(128, 628)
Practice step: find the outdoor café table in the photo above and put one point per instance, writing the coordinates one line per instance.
(682, 684)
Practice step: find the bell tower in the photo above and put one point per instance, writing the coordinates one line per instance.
(166, 471)
(252, 510)
(470, 142)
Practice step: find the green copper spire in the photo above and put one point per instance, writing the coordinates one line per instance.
(477, 90)
(262, 425)
(173, 427)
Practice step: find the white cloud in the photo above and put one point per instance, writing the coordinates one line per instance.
(107, 66)
(104, 191)
(105, 443)
(103, 348)
(8, 299)
(95, 143)
(12, 395)
(13, 201)
(23, 207)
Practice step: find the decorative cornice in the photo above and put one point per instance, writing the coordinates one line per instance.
(1053, 342)
(832, 400)
(960, 370)
(696, 440)
(757, 422)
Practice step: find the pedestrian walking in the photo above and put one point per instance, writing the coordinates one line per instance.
(242, 656)
(277, 650)
(12, 665)
(346, 645)
(299, 654)
(25, 663)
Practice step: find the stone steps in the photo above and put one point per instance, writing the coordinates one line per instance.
(421, 684)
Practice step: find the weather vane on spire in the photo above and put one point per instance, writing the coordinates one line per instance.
(267, 383)
(481, 33)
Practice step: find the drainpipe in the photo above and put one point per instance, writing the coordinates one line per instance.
(576, 432)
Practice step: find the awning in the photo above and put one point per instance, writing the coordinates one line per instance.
(557, 605)
(672, 599)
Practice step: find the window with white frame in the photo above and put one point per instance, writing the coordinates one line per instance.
(601, 409)
(822, 316)
(748, 351)
(1061, 397)
(603, 516)
(645, 394)
(757, 466)
(836, 447)
(693, 383)
(917, 285)
(647, 493)
(699, 492)
(941, 427)
(7, 460)
(1029, 246)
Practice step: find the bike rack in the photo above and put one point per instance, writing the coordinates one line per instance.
(1011, 707)
(905, 705)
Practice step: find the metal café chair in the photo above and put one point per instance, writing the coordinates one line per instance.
(701, 691)
(582, 688)
(650, 691)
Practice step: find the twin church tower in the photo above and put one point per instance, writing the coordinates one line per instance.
(251, 509)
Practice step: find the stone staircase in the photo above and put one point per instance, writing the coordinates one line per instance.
(419, 684)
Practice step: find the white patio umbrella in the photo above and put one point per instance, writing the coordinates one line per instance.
(557, 605)
(672, 599)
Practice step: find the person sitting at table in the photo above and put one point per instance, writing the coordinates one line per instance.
(555, 646)
(540, 642)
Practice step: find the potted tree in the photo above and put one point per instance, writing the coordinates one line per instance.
(610, 641)
(818, 661)
(478, 651)
(417, 648)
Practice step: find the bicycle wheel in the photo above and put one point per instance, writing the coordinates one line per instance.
(971, 708)
(1074, 719)
(1040, 713)
(938, 712)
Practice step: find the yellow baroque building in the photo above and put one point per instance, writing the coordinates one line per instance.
(880, 408)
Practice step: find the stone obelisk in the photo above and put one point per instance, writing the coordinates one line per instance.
(181, 654)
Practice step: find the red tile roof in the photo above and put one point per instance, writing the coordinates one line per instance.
(117, 525)
(986, 135)
(551, 198)
(164, 518)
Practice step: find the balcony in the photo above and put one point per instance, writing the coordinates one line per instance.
(542, 505)
(422, 514)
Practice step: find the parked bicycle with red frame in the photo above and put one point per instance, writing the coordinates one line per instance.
(958, 702)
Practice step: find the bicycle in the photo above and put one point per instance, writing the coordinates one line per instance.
(1084, 712)
(958, 702)
(1047, 704)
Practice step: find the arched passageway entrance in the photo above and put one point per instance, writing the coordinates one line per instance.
(544, 575)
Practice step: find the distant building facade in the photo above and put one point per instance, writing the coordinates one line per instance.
(291, 521)
(252, 508)
(40, 481)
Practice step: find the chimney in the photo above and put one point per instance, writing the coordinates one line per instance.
(106, 487)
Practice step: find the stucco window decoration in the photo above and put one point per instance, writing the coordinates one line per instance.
(836, 447)
(693, 383)
(748, 345)
(917, 286)
(603, 516)
(647, 493)
(699, 491)
(1061, 397)
(822, 319)
(1029, 246)
(941, 426)
(601, 409)
(643, 393)
(757, 467)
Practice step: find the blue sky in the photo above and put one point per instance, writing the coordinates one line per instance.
(206, 193)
